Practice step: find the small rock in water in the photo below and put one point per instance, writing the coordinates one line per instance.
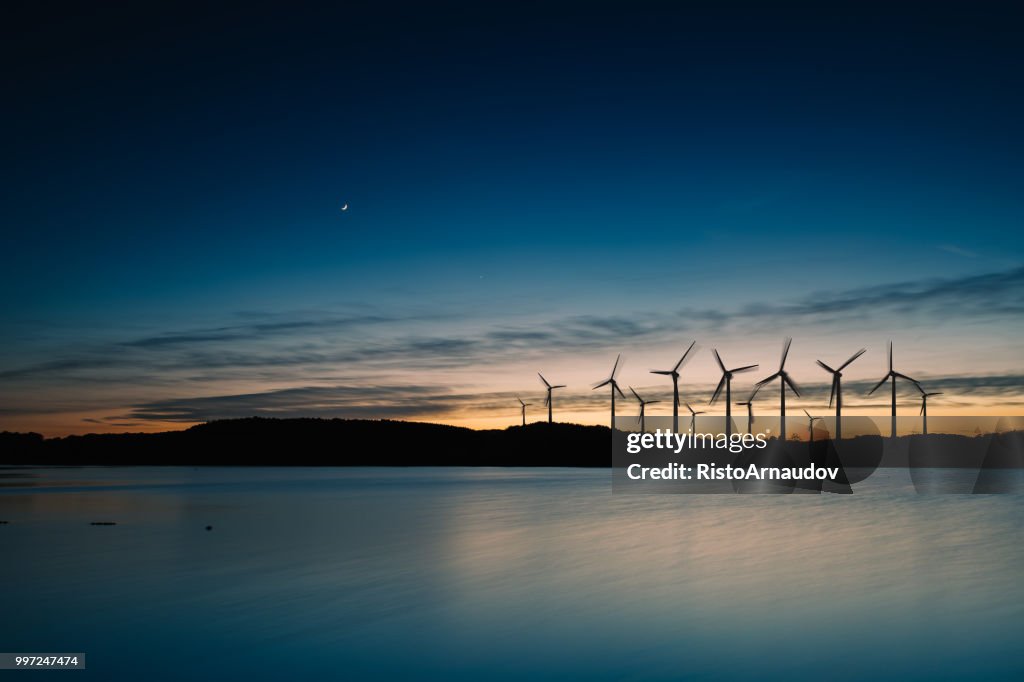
(209, 528)
(103, 523)
(4, 523)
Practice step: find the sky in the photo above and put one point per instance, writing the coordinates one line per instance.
(531, 187)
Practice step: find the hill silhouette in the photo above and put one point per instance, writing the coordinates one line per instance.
(322, 442)
(257, 441)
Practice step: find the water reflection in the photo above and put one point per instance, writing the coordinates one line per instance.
(463, 574)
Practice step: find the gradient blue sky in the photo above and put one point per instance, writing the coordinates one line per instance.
(533, 186)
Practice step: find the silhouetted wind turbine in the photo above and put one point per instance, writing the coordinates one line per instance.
(524, 408)
(727, 375)
(810, 424)
(693, 418)
(749, 402)
(784, 379)
(924, 408)
(643, 404)
(547, 401)
(615, 387)
(892, 375)
(674, 373)
(837, 389)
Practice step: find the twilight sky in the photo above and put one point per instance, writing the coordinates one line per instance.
(533, 186)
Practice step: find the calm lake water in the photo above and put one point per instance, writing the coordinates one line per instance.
(375, 574)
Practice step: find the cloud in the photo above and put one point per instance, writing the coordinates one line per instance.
(957, 251)
(996, 293)
(296, 348)
(259, 330)
(351, 401)
(415, 401)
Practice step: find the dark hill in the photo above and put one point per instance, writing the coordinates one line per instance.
(344, 442)
(323, 442)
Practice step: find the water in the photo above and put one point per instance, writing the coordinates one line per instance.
(375, 574)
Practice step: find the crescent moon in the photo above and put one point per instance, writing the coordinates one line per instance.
(345, 207)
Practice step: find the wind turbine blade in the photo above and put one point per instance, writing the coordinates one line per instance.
(603, 383)
(832, 396)
(543, 379)
(808, 414)
(792, 384)
(651, 402)
(616, 387)
(666, 372)
(720, 363)
(764, 381)
(922, 408)
(904, 376)
(683, 359)
(520, 401)
(743, 369)
(879, 384)
(616, 365)
(852, 358)
(689, 408)
(890, 356)
(785, 351)
(635, 394)
(717, 390)
(559, 386)
(826, 367)
(931, 394)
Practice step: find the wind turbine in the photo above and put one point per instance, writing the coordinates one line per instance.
(924, 408)
(693, 417)
(643, 404)
(784, 379)
(524, 408)
(810, 424)
(674, 373)
(892, 375)
(749, 402)
(614, 385)
(727, 375)
(547, 401)
(837, 389)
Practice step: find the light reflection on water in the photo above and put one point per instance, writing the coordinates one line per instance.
(505, 573)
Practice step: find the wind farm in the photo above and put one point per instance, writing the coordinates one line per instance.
(725, 385)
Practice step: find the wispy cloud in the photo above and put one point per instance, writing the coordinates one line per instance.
(957, 251)
(412, 401)
(312, 351)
